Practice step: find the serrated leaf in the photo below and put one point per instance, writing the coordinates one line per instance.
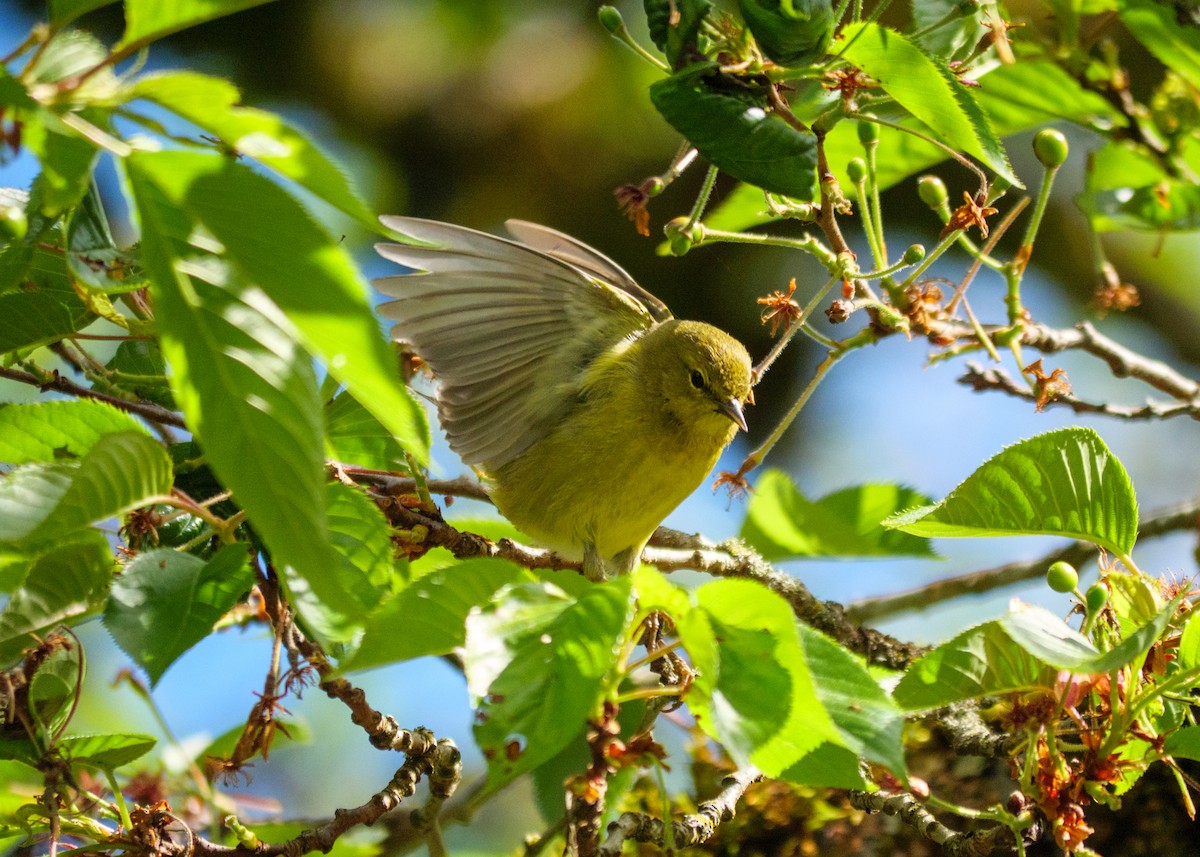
(359, 532)
(121, 471)
(738, 135)
(925, 87)
(303, 271)
(213, 104)
(791, 34)
(64, 583)
(106, 751)
(979, 661)
(561, 656)
(52, 431)
(147, 20)
(164, 602)
(429, 616)
(30, 319)
(781, 523)
(67, 160)
(143, 371)
(92, 253)
(674, 25)
(753, 691)
(867, 720)
(1061, 483)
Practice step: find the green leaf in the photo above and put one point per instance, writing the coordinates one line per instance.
(1061, 483)
(1174, 45)
(29, 319)
(674, 25)
(954, 39)
(355, 436)
(552, 659)
(1053, 642)
(164, 602)
(1023, 649)
(753, 691)
(867, 720)
(67, 160)
(979, 661)
(359, 532)
(213, 104)
(1189, 644)
(737, 135)
(783, 524)
(92, 253)
(147, 20)
(51, 431)
(429, 616)
(106, 751)
(41, 502)
(925, 87)
(791, 33)
(64, 583)
(1027, 93)
(271, 241)
(143, 371)
(248, 391)
(1183, 743)
(66, 11)
(54, 689)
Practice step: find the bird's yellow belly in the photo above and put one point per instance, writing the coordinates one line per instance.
(613, 493)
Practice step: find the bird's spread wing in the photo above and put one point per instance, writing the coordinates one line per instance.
(508, 329)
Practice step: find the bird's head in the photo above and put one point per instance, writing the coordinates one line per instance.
(702, 374)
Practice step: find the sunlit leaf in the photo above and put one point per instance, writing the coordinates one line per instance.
(106, 751)
(147, 20)
(53, 431)
(1061, 483)
(781, 523)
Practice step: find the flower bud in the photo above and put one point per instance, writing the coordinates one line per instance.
(1051, 148)
(914, 254)
(932, 191)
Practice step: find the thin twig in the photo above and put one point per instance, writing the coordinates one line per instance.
(54, 381)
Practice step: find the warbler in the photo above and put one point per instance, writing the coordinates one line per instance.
(589, 409)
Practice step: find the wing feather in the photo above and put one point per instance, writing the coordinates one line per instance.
(508, 328)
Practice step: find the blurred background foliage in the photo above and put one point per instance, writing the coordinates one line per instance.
(474, 111)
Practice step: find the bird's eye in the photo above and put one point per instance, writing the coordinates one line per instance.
(697, 379)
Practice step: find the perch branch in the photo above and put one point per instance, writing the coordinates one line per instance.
(983, 843)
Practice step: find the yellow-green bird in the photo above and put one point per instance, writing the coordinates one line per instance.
(591, 411)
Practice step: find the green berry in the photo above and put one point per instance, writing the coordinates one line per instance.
(857, 170)
(914, 254)
(610, 18)
(1062, 577)
(1051, 148)
(932, 191)
(1096, 597)
(868, 132)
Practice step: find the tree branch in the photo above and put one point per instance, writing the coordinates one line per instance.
(690, 830)
(983, 843)
(1184, 516)
(54, 381)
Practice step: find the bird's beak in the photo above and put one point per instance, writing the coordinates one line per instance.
(732, 408)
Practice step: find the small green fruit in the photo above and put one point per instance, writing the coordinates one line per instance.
(1062, 577)
(868, 132)
(610, 19)
(1096, 597)
(932, 191)
(914, 254)
(857, 170)
(1051, 148)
